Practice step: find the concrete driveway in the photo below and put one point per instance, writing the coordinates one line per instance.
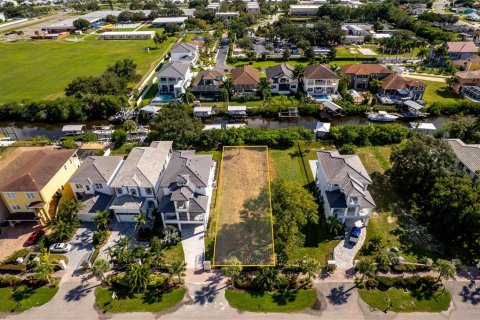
(81, 245)
(193, 243)
(339, 300)
(222, 55)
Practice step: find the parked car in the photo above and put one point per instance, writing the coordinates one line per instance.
(60, 247)
(354, 235)
(35, 236)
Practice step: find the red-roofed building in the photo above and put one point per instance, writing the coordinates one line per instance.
(362, 73)
(396, 86)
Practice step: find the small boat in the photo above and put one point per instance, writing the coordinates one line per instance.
(105, 130)
(381, 116)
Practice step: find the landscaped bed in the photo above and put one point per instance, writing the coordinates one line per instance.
(149, 301)
(276, 301)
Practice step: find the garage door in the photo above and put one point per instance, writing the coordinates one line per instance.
(125, 217)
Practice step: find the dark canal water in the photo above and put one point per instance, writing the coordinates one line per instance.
(24, 130)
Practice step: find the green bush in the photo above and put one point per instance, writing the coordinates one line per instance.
(385, 283)
(69, 144)
(375, 134)
(20, 267)
(450, 108)
(100, 237)
(399, 268)
(347, 149)
(359, 283)
(413, 282)
(372, 283)
(12, 259)
(9, 281)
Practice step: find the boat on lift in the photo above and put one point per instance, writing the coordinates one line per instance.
(381, 116)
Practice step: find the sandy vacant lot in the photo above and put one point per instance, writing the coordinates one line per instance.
(244, 228)
(13, 238)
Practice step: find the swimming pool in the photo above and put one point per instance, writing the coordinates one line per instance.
(321, 97)
(163, 98)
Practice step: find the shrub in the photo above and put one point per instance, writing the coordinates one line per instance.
(411, 283)
(12, 259)
(428, 281)
(331, 268)
(9, 281)
(359, 283)
(372, 283)
(100, 237)
(13, 267)
(399, 268)
(158, 281)
(370, 135)
(385, 283)
(347, 149)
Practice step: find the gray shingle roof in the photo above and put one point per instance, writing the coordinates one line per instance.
(143, 165)
(348, 172)
(126, 202)
(468, 154)
(174, 70)
(278, 71)
(187, 163)
(184, 47)
(97, 169)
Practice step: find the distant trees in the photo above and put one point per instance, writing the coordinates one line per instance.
(81, 24)
(111, 19)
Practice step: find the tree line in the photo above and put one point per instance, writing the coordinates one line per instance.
(87, 98)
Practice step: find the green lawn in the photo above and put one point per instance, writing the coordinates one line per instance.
(412, 301)
(174, 253)
(288, 164)
(123, 150)
(277, 301)
(438, 92)
(42, 69)
(375, 159)
(24, 298)
(270, 63)
(150, 301)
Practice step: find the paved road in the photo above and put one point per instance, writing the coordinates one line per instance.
(222, 54)
(29, 27)
(426, 78)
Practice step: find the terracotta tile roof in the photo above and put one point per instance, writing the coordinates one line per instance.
(462, 46)
(319, 71)
(365, 69)
(245, 75)
(32, 168)
(209, 75)
(395, 82)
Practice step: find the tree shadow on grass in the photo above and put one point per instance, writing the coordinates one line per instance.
(282, 297)
(152, 296)
(339, 295)
(23, 293)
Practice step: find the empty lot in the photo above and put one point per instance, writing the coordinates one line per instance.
(244, 228)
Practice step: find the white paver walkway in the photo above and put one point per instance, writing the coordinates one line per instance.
(193, 243)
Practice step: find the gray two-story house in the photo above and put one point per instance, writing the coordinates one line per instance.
(137, 183)
(174, 77)
(282, 79)
(342, 183)
(186, 189)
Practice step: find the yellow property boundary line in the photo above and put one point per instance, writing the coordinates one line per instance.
(218, 207)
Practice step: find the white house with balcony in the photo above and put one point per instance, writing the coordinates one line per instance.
(185, 52)
(137, 183)
(320, 79)
(174, 78)
(342, 183)
(186, 189)
(467, 156)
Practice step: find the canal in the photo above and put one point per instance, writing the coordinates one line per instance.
(25, 130)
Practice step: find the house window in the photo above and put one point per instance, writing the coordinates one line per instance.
(172, 79)
(65, 167)
(30, 195)
(70, 160)
(149, 191)
(353, 201)
(133, 192)
(78, 186)
(87, 187)
(181, 205)
(11, 195)
(15, 207)
(98, 186)
(163, 79)
(293, 86)
(119, 190)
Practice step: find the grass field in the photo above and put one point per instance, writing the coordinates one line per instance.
(438, 92)
(277, 301)
(150, 301)
(416, 301)
(244, 224)
(24, 298)
(42, 69)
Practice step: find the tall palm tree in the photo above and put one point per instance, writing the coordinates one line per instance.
(141, 221)
(227, 84)
(44, 269)
(452, 81)
(264, 88)
(310, 267)
(267, 278)
(374, 84)
(441, 53)
(298, 72)
(365, 267)
(70, 208)
(102, 219)
(176, 268)
(423, 53)
(100, 267)
(188, 96)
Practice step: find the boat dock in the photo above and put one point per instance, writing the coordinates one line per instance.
(289, 114)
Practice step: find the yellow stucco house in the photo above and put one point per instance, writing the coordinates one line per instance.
(33, 180)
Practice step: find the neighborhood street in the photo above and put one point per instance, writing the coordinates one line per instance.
(222, 54)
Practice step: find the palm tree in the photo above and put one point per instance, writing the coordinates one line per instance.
(441, 53)
(141, 221)
(333, 225)
(102, 219)
(137, 277)
(423, 53)
(170, 237)
(232, 269)
(251, 55)
(227, 84)
(267, 278)
(365, 267)
(188, 97)
(100, 267)
(452, 81)
(44, 269)
(264, 88)
(176, 268)
(70, 208)
(310, 267)
(374, 84)
(298, 72)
